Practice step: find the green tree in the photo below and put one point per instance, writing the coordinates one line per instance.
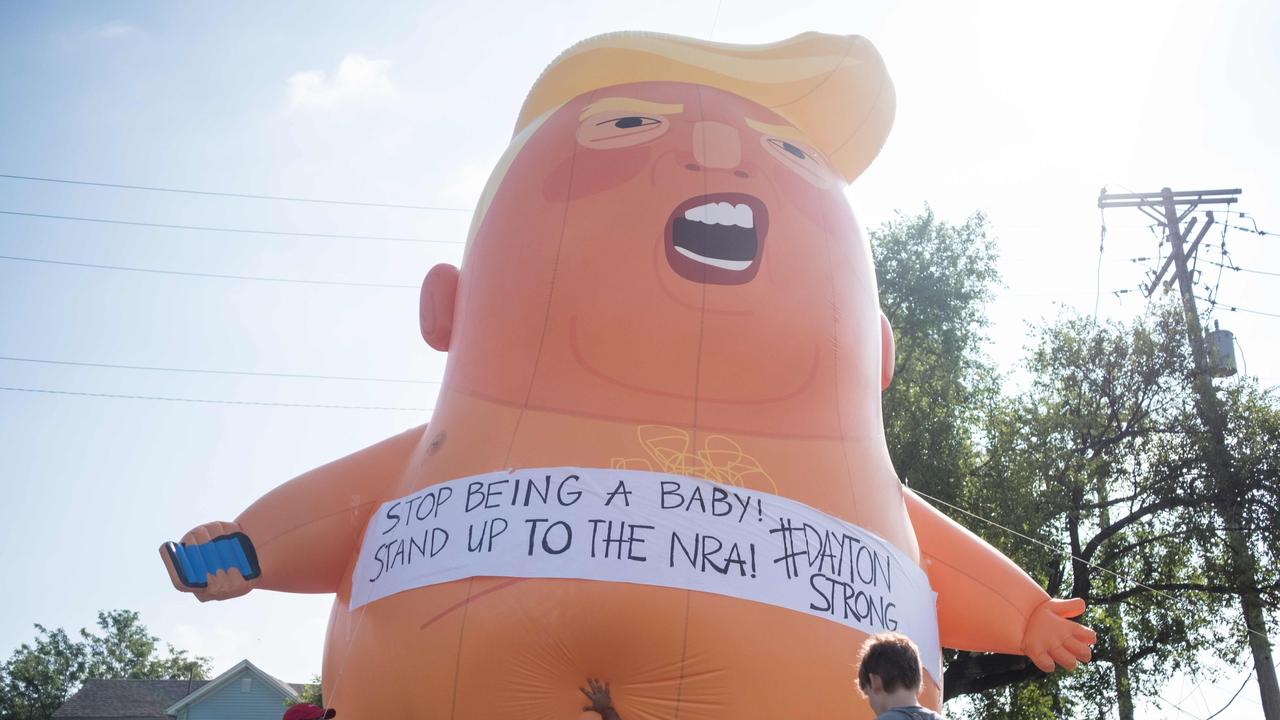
(1088, 442)
(311, 693)
(124, 649)
(1098, 457)
(935, 281)
(1105, 444)
(1253, 434)
(38, 677)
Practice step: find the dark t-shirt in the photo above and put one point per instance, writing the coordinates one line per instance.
(909, 712)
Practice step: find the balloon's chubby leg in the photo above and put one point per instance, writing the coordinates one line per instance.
(297, 538)
(988, 604)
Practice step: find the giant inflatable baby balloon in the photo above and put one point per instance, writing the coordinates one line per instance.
(657, 456)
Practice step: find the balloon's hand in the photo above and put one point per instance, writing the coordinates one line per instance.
(215, 561)
(1051, 638)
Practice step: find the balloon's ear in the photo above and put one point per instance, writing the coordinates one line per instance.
(886, 353)
(435, 307)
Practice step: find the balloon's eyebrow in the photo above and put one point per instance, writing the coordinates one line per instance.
(785, 132)
(626, 104)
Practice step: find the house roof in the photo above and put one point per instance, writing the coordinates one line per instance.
(127, 698)
(121, 699)
(286, 691)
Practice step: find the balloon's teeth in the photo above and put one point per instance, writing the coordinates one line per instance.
(722, 213)
(714, 262)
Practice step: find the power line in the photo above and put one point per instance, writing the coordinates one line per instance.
(222, 276)
(1240, 269)
(1253, 230)
(1233, 697)
(1177, 206)
(1097, 282)
(216, 402)
(1222, 253)
(1248, 676)
(1177, 707)
(1056, 550)
(1059, 551)
(1234, 308)
(154, 188)
(247, 231)
(1041, 543)
(216, 372)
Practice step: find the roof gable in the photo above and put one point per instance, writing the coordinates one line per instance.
(244, 666)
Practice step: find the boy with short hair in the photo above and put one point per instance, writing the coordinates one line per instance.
(889, 677)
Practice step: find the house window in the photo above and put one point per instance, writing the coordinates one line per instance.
(246, 685)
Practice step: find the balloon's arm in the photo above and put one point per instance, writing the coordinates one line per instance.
(988, 604)
(299, 537)
(306, 530)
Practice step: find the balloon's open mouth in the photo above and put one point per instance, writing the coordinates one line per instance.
(717, 238)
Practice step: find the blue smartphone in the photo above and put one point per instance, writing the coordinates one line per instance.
(196, 562)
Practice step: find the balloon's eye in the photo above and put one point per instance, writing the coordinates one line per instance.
(613, 130)
(790, 149)
(630, 121)
(805, 161)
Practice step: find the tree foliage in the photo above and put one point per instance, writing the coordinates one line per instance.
(1095, 470)
(935, 282)
(312, 693)
(1253, 434)
(1101, 440)
(39, 676)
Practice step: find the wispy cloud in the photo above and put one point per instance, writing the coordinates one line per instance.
(357, 79)
(116, 30)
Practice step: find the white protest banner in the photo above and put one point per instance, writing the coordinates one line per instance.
(649, 528)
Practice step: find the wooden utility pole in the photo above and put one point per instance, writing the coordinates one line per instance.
(1164, 207)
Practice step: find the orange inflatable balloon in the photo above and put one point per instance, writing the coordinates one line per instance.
(664, 333)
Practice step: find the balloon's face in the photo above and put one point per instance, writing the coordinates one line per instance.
(654, 243)
(710, 234)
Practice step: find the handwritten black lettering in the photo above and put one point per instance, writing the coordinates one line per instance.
(549, 545)
(489, 531)
(846, 601)
(573, 495)
(400, 552)
(475, 495)
(614, 538)
(493, 492)
(832, 552)
(671, 490)
(392, 516)
(705, 552)
(619, 489)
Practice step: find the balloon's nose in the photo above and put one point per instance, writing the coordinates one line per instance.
(716, 145)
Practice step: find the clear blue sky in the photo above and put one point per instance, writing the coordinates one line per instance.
(1008, 109)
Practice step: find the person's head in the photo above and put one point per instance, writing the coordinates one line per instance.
(889, 669)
